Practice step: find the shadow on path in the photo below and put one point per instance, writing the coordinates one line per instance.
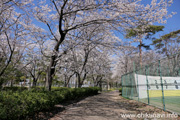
(105, 106)
(47, 114)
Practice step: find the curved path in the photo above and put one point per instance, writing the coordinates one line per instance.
(108, 106)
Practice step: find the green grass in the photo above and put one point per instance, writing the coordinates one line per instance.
(171, 102)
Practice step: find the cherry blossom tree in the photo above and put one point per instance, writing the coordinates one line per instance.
(34, 63)
(64, 17)
(13, 34)
(62, 23)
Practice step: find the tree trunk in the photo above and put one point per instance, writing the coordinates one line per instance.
(65, 81)
(34, 82)
(53, 61)
(1, 83)
(76, 82)
(79, 80)
(126, 64)
(101, 84)
(48, 79)
(51, 72)
(80, 85)
(68, 80)
(140, 53)
(11, 83)
(24, 81)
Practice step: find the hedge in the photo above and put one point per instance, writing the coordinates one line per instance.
(120, 90)
(14, 88)
(21, 104)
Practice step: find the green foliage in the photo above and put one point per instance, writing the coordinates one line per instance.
(168, 36)
(56, 82)
(11, 74)
(120, 90)
(21, 104)
(150, 30)
(14, 88)
(164, 41)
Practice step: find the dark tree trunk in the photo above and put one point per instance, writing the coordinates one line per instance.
(79, 80)
(1, 82)
(140, 53)
(48, 79)
(100, 85)
(65, 81)
(11, 83)
(34, 82)
(51, 68)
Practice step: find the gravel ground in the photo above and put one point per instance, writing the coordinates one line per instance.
(110, 106)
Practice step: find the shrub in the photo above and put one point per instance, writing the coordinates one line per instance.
(19, 104)
(120, 90)
(14, 88)
(36, 89)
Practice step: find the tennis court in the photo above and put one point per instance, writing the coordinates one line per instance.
(156, 84)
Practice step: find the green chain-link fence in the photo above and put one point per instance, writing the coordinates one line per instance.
(156, 84)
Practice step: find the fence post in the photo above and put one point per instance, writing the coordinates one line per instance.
(147, 83)
(126, 85)
(137, 86)
(131, 86)
(162, 86)
(122, 84)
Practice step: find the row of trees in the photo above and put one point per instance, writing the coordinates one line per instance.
(51, 39)
(166, 48)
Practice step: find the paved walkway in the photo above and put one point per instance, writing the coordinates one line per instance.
(107, 106)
